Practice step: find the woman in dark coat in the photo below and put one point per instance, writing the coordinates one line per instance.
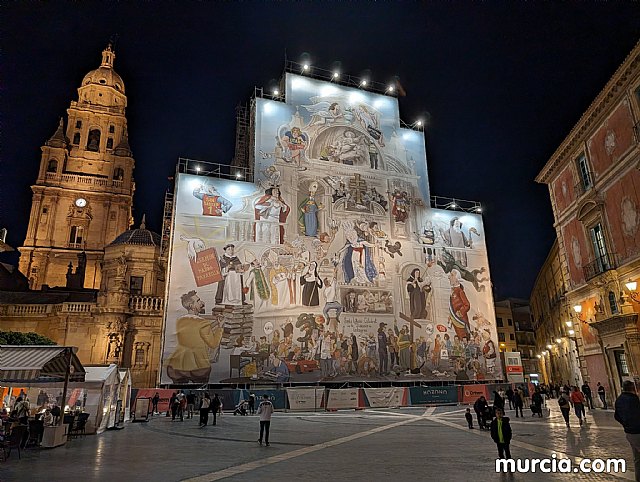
(498, 401)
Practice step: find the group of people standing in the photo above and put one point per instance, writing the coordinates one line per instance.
(183, 405)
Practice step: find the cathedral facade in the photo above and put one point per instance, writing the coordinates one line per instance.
(94, 283)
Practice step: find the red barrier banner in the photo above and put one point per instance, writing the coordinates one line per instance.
(470, 393)
(165, 396)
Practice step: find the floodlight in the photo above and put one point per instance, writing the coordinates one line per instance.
(276, 92)
(305, 67)
(363, 83)
(571, 332)
(336, 75)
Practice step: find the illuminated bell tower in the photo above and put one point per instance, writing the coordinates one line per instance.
(83, 195)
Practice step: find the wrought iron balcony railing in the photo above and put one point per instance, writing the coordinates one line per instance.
(600, 265)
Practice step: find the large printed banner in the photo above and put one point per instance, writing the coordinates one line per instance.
(470, 393)
(387, 397)
(332, 267)
(343, 398)
(434, 395)
(305, 399)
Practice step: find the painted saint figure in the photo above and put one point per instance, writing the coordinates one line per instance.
(271, 213)
(309, 207)
(230, 288)
(455, 237)
(256, 282)
(213, 204)
(400, 206)
(295, 142)
(357, 258)
(458, 306)
(417, 289)
(311, 284)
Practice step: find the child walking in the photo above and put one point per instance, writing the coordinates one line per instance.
(469, 418)
(501, 433)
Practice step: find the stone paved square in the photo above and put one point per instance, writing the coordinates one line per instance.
(390, 444)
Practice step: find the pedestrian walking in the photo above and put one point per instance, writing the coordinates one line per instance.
(577, 398)
(536, 403)
(252, 404)
(498, 401)
(602, 394)
(205, 406)
(216, 406)
(479, 407)
(627, 413)
(191, 404)
(565, 406)
(265, 410)
(501, 434)
(174, 404)
(509, 394)
(182, 401)
(469, 418)
(586, 389)
(154, 403)
(518, 401)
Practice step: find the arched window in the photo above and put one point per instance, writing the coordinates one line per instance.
(613, 303)
(76, 138)
(52, 166)
(109, 143)
(93, 141)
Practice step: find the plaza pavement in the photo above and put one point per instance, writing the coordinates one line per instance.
(385, 444)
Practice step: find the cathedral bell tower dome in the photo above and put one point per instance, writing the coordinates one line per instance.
(103, 86)
(84, 192)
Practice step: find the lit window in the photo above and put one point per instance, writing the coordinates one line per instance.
(76, 235)
(135, 285)
(583, 172)
(140, 356)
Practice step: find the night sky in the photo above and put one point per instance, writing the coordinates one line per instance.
(502, 84)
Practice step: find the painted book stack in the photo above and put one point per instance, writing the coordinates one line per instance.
(238, 322)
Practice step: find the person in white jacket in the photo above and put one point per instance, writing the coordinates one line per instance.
(265, 409)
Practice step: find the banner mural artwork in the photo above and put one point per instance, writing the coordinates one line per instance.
(332, 266)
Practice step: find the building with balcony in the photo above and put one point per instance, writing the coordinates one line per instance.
(515, 333)
(594, 186)
(556, 347)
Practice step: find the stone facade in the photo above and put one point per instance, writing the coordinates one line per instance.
(594, 185)
(113, 302)
(553, 322)
(84, 191)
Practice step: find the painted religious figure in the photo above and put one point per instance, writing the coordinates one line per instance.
(454, 237)
(399, 206)
(230, 288)
(295, 142)
(357, 257)
(213, 204)
(309, 207)
(311, 284)
(258, 287)
(418, 289)
(271, 213)
(459, 305)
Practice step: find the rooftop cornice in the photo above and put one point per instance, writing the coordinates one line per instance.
(610, 93)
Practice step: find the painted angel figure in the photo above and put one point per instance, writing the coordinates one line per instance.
(323, 113)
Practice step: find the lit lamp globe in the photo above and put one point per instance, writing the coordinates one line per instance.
(631, 285)
(577, 309)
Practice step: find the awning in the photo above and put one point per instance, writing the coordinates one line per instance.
(35, 363)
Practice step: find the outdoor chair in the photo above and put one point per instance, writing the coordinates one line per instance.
(36, 431)
(79, 427)
(14, 441)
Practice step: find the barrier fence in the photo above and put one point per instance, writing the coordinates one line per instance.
(309, 399)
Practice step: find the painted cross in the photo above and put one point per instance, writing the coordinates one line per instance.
(412, 323)
(358, 186)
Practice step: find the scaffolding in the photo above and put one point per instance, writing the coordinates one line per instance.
(167, 218)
